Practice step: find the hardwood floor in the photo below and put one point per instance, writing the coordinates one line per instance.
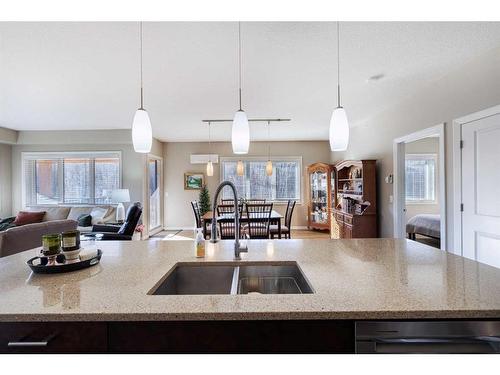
(189, 234)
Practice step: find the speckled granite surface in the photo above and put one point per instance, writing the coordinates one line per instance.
(352, 279)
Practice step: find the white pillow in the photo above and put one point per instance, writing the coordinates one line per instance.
(98, 214)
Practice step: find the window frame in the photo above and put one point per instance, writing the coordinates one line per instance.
(57, 155)
(424, 156)
(264, 159)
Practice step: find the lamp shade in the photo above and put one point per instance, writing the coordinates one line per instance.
(269, 168)
(240, 170)
(240, 135)
(210, 168)
(339, 130)
(142, 135)
(120, 196)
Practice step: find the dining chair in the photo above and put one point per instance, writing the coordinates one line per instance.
(197, 216)
(258, 220)
(226, 228)
(286, 228)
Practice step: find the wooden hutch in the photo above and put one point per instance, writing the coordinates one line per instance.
(321, 180)
(354, 209)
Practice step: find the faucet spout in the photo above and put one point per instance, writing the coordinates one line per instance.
(238, 247)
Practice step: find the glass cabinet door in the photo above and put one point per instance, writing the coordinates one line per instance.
(319, 197)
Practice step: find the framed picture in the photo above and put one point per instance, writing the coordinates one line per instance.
(193, 180)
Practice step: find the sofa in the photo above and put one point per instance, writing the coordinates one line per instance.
(29, 236)
(56, 220)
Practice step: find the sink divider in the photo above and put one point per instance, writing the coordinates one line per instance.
(234, 283)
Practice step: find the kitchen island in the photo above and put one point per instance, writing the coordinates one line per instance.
(109, 307)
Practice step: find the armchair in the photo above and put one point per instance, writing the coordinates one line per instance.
(123, 232)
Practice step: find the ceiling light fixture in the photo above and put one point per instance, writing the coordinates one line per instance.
(339, 126)
(142, 135)
(210, 166)
(269, 164)
(240, 135)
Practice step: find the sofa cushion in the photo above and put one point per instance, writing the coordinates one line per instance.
(55, 213)
(85, 220)
(29, 217)
(98, 214)
(75, 212)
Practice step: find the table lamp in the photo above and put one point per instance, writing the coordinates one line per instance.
(120, 196)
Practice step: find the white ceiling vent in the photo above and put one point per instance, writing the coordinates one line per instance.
(204, 158)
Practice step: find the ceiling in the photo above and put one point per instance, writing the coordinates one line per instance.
(86, 75)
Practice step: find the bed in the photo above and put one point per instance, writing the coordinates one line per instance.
(424, 224)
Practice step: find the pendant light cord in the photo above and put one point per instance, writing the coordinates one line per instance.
(338, 64)
(209, 141)
(140, 38)
(239, 59)
(269, 140)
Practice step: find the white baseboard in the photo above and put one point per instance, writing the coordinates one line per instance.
(299, 227)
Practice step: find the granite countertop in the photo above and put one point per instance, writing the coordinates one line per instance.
(352, 279)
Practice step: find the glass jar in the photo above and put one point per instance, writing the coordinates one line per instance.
(71, 240)
(51, 244)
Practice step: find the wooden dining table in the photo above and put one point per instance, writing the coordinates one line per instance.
(207, 220)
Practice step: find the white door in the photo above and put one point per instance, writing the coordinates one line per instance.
(481, 190)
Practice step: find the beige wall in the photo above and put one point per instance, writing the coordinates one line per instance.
(429, 145)
(178, 213)
(5, 180)
(473, 87)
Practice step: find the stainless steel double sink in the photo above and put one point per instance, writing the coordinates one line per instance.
(195, 278)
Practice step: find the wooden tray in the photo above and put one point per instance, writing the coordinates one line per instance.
(61, 266)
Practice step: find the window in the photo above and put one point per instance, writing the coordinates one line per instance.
(282, 185)
(69, 177)
(420, 178)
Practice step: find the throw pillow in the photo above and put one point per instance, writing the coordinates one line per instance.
(98, 214)
(84, 220)
(25, 217)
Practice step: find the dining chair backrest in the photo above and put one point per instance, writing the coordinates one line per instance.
(197, 216)
(228, 209)
(258, 219)
(256, 201)
(227, 201)
(289, 212)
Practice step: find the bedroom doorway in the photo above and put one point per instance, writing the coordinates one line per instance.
(419, 187)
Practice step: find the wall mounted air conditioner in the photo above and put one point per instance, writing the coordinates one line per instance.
(203, 158)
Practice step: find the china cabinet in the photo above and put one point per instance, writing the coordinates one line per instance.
(354, 207)
(321, 179)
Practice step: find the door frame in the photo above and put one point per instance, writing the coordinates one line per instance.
(457, 171)
(399, 178)
(161, 226)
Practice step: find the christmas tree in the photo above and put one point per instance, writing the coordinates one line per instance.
(204, 201)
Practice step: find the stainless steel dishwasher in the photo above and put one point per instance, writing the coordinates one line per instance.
(428, 337)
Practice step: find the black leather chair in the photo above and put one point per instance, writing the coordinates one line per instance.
(123, 232)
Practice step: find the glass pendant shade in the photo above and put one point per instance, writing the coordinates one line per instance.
(142, 135)
(240, 136)
(269, 168)
(240, 170)
(210, 168)
(339, 130)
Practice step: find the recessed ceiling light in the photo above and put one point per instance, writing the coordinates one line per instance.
(376, 77)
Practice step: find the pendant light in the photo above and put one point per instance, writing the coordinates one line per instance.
(269, 164)
(240, 169)
(210, 166)
(240, 134)
(339, 126)
(142, 135)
